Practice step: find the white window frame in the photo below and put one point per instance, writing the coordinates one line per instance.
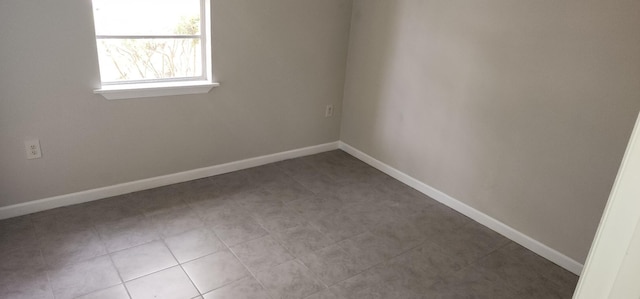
(168, 86)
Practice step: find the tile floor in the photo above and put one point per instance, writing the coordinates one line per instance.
(322, 226)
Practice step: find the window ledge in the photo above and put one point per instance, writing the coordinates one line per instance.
(130, 91)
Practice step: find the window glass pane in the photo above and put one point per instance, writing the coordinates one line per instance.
(149, 58)
(146, 17)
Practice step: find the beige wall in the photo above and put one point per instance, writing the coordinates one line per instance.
(520, 109)
(279, 62)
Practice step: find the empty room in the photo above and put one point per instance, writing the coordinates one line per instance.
(337, 149)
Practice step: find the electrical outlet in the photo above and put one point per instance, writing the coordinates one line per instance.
(328, 112)
(33, 149)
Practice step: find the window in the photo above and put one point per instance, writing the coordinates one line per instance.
(152, 47)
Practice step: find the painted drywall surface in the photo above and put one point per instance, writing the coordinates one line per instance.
(279, 63)
(520, 109)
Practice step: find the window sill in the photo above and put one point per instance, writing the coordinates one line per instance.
(130, 91)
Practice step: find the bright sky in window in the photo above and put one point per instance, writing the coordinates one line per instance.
(149, 40)
(142, 17)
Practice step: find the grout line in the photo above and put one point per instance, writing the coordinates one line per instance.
(336, 243)
(108, 254)
(316, 279)
(181, 267)
(119, 275)
(42, 259)
(146, 243)
(228, 248)
(248, 270)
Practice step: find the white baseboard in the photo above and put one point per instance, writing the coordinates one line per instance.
(124, 188)
(482, 218)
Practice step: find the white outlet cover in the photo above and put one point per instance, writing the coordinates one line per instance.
(328, 111)
(32, 147)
